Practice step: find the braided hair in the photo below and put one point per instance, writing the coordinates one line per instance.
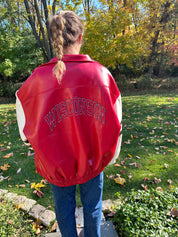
(65, 28)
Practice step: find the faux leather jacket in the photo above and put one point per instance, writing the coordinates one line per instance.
(73, 126)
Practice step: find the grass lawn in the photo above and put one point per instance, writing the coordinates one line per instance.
(148, 158)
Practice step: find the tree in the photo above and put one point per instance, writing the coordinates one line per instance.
(19, 54)
(161, 15)
(35, 19)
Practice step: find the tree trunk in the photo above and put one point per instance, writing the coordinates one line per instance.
(32, 23)
(161, 67)
(164, 19)
(45, 41)
(47, 27)
(153, 55)
(54, 7)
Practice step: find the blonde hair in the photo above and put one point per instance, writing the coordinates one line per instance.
(65, 28)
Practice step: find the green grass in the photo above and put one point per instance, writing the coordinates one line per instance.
(15, 222)
(149, 139)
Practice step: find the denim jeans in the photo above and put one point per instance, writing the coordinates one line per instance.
(65, 204)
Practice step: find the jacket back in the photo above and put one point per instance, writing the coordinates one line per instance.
(72, 126)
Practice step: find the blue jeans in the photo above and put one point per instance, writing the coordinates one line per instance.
(65, 204)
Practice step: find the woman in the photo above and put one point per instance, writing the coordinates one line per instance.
(70, 111)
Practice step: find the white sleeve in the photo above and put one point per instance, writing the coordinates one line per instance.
(118, 105)
(20, 118)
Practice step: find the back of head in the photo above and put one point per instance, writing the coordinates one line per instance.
(65, 28)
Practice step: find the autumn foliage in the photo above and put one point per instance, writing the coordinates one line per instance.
(131, 37)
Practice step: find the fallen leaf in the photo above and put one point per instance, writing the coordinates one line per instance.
(39, 193)
(10, 222)
(118, 165)
(120, 180)
(123, 171)
(159, 189)
(5, 167)
(173, 212)
(130, 176)
(33, 185)
(3, 149)
(157, 181)
(22, 185)
(111, 214)
(3, 178)
(7, 156)
(39, 185)
(145, 187)
(19, 170)
(169, 181)
(18, 206)
(135, 164)
(54, 227)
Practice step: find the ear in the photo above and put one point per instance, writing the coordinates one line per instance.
(80, 38)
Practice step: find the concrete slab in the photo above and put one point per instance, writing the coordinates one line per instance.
(79, 217)
(107, 229)
(56, 234)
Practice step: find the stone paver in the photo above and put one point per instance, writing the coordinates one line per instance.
(108, 204)
(19, 200)
(10, 196)
(47, 217)
(36, 211)
(2, 192)
(28, 204)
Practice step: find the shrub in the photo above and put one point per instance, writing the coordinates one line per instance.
(147, 213)
(7, 89)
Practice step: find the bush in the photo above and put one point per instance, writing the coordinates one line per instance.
(147, 213)
(7, 89)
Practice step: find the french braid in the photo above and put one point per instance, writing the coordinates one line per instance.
(56, 28)
(65, 28)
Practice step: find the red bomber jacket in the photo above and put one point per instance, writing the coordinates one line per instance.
(72, 126)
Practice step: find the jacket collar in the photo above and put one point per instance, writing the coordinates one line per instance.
(73, 58)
